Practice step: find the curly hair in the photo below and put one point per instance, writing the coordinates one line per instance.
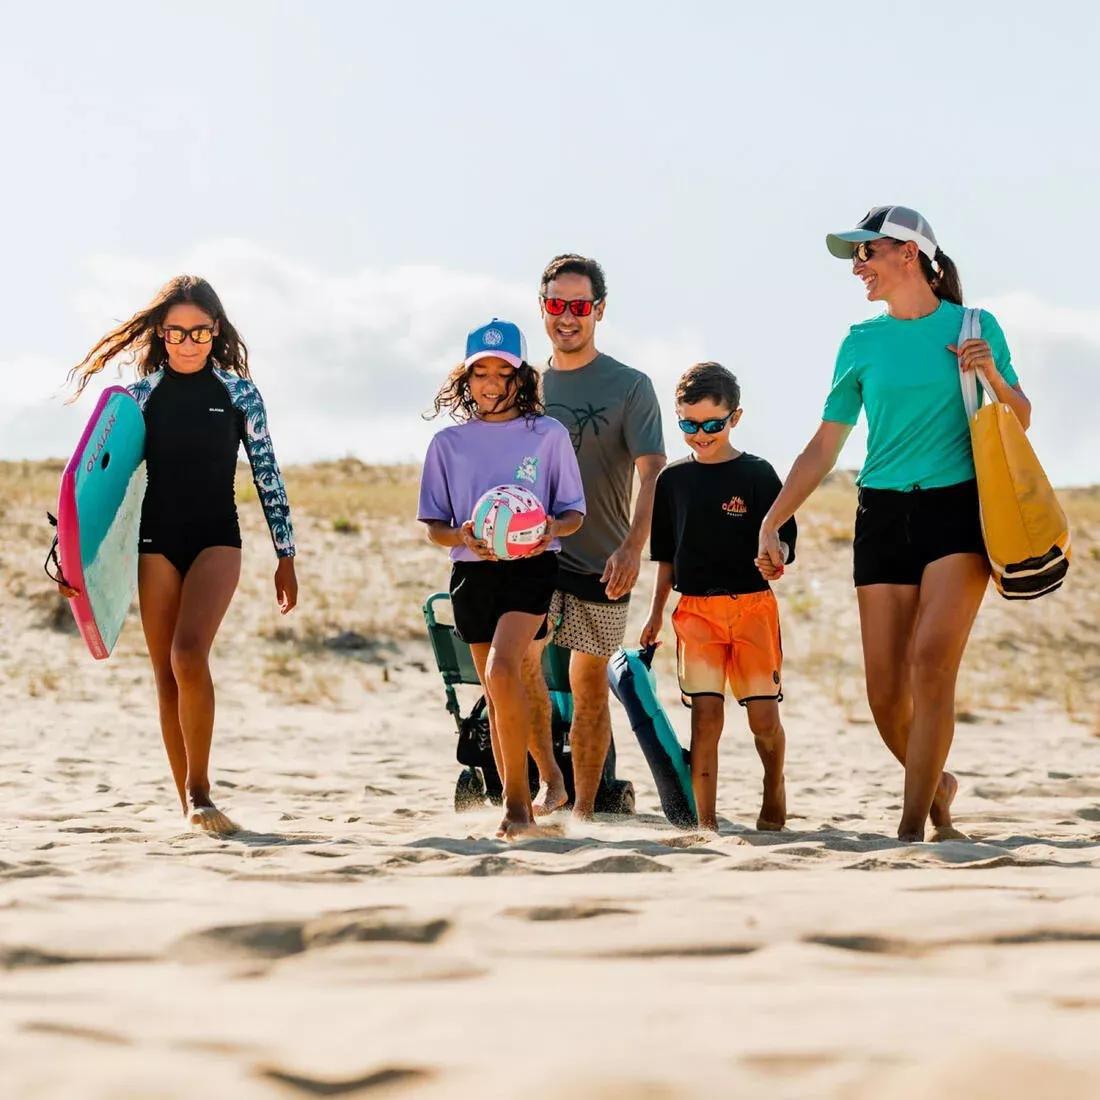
(457, 400)
(138, 336)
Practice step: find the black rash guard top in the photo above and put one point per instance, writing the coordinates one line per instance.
(194, 426)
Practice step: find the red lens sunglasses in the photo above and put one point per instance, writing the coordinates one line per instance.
(579, 307)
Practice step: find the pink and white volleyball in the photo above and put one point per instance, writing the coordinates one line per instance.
(510, 519)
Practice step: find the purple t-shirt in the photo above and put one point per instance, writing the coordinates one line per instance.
(466, 460)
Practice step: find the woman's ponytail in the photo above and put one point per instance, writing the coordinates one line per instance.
(943, 278)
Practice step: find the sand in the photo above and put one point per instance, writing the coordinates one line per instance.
(359, 938)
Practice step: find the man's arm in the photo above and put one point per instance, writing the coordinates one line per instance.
(621, 572)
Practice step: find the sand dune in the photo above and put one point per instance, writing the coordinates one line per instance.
(359, 938)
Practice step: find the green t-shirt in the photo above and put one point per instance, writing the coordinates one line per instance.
(614, 418)
(903, 375)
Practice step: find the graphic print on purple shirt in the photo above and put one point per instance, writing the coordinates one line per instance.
(466, 460)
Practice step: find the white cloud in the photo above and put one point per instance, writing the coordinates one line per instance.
(348, 361)
(1056, 350)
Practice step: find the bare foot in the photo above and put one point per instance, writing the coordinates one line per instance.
(773, 808)
(581, 813)
(940, 813)
(205, 817)
(948, 832)
(908, 836)
(519, 829)
(552, 797)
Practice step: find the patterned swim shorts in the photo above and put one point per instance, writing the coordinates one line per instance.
(595, 628)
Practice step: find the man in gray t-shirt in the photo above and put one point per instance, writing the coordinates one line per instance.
(614, 419)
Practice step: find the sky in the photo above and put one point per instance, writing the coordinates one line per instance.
(365, 182)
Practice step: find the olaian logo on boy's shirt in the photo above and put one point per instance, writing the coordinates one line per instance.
(528, 469)
(735, 506)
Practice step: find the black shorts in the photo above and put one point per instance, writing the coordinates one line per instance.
(483, 592)
(899, 533)
(181, 544)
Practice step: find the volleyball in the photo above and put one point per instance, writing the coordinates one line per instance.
(510, 520)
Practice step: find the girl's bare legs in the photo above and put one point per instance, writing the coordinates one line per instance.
(553, 795)
(500, 668)
(204, 599)
(708, 714)
(771, 745)
(180, 618)
(159, 585)
(951, 592)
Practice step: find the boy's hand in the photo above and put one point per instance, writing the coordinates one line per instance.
(651, 631)
(471, 542)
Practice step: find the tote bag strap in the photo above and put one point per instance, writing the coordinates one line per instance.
(968, 380)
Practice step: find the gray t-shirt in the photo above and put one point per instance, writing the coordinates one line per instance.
(613, 418)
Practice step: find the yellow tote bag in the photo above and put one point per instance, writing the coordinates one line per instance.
(1025, 529)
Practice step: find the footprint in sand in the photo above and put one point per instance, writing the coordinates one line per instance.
(348, 1086)
(564, 912)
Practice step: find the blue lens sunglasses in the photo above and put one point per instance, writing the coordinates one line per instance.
(711, 427)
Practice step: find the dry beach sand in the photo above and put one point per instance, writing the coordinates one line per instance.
(361, 939)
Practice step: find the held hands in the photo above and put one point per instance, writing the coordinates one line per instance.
(976, 355)
(621, 572)
(474, 544)
(286, 585)
(772, 555)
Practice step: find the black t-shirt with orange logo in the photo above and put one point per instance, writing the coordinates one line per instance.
(706, 522)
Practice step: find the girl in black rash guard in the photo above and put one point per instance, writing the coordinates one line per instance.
(199, 405)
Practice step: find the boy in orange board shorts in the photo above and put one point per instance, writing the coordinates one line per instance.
(706, 519)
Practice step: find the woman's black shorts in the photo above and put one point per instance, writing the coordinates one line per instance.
(899, 533)
(483, 592)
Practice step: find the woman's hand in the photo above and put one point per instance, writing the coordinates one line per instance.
(652, 630)
(286, 585)
(67, 592)
(771, 554)
(976, 355)
(474, 544)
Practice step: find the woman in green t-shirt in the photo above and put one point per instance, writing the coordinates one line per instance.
(920, 564)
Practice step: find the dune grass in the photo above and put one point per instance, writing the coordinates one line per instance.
(365, 567)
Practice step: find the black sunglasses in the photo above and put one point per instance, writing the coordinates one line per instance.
(863, 251)
(716, 424)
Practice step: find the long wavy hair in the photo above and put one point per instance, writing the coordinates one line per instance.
(138, 340)
(455, 398)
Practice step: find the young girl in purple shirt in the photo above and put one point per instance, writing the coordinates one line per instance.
(502, 437)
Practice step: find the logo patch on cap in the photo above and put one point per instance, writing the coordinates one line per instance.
(493, 338)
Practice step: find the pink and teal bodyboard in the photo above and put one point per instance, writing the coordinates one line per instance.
(98, 515)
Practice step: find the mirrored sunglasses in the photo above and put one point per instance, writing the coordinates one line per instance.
(175, 334)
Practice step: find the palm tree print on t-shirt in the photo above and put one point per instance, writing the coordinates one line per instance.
(579, 420)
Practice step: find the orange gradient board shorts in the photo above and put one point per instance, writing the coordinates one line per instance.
(729, 639)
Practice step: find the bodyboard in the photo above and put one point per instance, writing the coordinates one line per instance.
(630, 675)
(98, 515)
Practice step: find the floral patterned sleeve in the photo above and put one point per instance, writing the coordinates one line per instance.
(249, 404)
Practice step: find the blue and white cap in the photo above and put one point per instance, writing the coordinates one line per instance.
(899, 222)
(498, 338)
